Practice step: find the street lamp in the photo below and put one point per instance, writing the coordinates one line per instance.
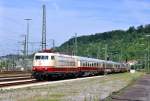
(27, 42)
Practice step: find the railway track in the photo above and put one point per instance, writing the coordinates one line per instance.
(18, 82)
(18, 79)
(7, 74)
(15, 78)
(14, 72)
(11, 82)
(17, 75)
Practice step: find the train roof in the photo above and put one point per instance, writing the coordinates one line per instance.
(78, 57)
(55, 54)
(88, 59)
(96, 60)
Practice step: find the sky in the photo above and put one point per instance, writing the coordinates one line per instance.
(65, 18)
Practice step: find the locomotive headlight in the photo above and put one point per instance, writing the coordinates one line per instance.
(33, 68)
(46, 68)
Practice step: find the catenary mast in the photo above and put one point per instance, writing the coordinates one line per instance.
(44, 28)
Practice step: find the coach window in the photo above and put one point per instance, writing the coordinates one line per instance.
(83, 64)
(98, 64)
(101, 64)
(108, 65)
(86, 64)
(111, 65)
(72, 63)
(90, 64)
(104, 65)
(52, 58)
(117, 66)
(94, 64)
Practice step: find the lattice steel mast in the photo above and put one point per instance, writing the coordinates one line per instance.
(44, 28)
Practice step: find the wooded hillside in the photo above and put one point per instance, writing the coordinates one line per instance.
(122, 45)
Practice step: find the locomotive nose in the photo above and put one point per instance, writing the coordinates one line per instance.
(39, 63)
(33, 68)
(39, 68)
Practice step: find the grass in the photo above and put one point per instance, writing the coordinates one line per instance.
(49, 97)
(48, 100)
(52, 97)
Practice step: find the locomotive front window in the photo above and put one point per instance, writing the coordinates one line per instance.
(52, 58)
(41, 57)
(44, 57)
(37, 57)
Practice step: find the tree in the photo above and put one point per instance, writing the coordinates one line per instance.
(131, 29)
(129, 41)
(147, 28)
(140, 29)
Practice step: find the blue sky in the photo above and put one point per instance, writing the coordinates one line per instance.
(66, 17)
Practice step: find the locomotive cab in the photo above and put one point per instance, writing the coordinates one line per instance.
(43, 61)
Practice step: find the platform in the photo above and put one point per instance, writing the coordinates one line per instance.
(139, 91)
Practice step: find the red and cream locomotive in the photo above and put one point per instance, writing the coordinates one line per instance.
(50, 65)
